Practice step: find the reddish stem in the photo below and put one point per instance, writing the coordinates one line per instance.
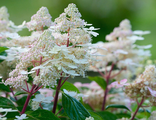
(106, 90)
(101, 73)
(37, 89)
(63, 82)
(31, 92)
(27, 100)
(27, 85)
(59, 111)
(142, 100)
(40, 106)
(56, 95)
(36, 86)
(117, 73)
(13, 94)
(59, 83)
(25, 90)
(68, 37)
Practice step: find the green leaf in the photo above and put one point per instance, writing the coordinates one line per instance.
(125, 115)
(105, 115)
(64, 118)
(73, 108)
(20, 93)
(3, 49)
(41, 115)
(143, 113)
(6, 103)
(4, 87)
(21, 101)
(95, 116)
(11, 115)
(87, 106)
(117, 106)
(69, 86)
(99, 80)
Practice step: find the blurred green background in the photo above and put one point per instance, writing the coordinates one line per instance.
(103, 14)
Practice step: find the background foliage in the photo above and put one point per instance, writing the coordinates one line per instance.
(104, 14)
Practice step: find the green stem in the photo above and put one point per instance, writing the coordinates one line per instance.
(139, 105)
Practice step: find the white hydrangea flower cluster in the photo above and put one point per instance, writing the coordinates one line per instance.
(8, 38)
(69, 19)
(139, 87)
(35, 105)
(54, 54)
(41, 19)
(89, 118)
(27, 59)
(4, 19)
(122, 31)
(121, 49)
(8, 29)
(73, 26)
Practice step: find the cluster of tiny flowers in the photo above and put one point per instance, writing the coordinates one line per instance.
(41, 19)
(120, 49)
(89, 118)
(139, 87)
(8, 29)
(70, 19)
(34, 105)
(4, 19)
(73, 26)
(53, 53)
(10, 39)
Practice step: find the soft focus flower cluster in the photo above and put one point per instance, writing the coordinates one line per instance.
(60, 51)
(121, 50)
(142, 86)
(8, 29)
(95, 95)
(9, 38)
(153, 115)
